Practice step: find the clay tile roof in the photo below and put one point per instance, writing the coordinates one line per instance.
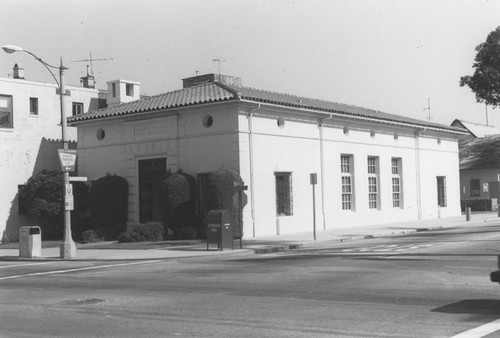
(217, 92)
(184, 97)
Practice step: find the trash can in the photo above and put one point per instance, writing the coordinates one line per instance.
(220, 229)
(30, 242)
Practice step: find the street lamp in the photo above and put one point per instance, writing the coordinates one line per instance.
(68, 247)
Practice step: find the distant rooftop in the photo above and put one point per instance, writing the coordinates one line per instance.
(476, 129)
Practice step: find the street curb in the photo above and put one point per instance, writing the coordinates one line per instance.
(279, 248)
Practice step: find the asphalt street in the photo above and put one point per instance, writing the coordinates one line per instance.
(424, 284)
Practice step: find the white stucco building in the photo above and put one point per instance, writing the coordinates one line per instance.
(371, 167)
(30, 134)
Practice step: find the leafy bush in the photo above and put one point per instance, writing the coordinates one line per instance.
(42, 197)
(109, 205)
(221, 196)
(187, 233)
(179, 196)
(91, 236)
(147, 232)
(43, 194)
(190, 227)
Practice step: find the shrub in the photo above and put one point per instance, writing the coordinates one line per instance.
(109, 205)
(221, 195)
(190, 227)
(147, 232)
(179, 196)
(187, 233)
(42, 198)
(91, 236)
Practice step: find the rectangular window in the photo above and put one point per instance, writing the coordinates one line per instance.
(33, 105)
(283, 193)
(346, 169)
(113, 89)
(396, 183)
(373, 191)
(129, 89)
(77, 108)
(441, 191)
(475, 190)
(6, 113)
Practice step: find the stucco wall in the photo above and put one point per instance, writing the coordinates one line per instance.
(296, 148)
(258, 144)
(31, 145)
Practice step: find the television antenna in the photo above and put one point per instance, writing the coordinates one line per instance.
(91, 63)
(429, 117)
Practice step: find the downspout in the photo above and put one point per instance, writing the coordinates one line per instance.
(322, 168)
(250, 149)
(417, 172)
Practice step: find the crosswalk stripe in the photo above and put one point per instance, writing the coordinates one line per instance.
(480, 331)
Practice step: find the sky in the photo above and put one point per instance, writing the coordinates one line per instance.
(393, 56)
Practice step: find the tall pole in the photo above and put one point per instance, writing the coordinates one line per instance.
(68, 248)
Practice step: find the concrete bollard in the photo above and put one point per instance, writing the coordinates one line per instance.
(467, 214)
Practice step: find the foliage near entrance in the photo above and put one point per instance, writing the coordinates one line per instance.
(147, 232)
(108, 197)
(179, 200)
(42, 199)
(222, 195)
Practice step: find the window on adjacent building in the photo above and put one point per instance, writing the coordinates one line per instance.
(283, 193)
(475, 190)
(129, 89)
(113, 89)
(33, 105)
(6, 113)
(441, 191)
(373, 191)
(397, 190)
(346, 170)
(77, 108)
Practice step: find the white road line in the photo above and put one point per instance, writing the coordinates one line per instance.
(480, 331)
(78, 269)
(28, 264)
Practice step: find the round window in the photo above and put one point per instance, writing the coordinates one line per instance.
(208, 120)
(100, 134)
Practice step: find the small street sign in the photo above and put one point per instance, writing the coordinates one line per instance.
(69, 203)
(77, 179)
(67, 157)
(69, 189)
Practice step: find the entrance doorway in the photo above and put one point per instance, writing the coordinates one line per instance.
(152, 172)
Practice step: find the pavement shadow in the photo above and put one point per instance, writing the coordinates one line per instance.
(488, 307)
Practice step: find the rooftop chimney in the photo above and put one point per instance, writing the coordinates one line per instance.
(122, 91)
(18, 72)
(88, 81)
(208, 78)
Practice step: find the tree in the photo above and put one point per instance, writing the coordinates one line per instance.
(485, 82)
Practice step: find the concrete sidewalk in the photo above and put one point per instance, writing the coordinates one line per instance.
(112, 251)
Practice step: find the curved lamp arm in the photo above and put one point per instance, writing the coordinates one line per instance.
(13, 49)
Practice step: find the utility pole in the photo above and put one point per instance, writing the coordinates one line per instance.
(486, 107)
